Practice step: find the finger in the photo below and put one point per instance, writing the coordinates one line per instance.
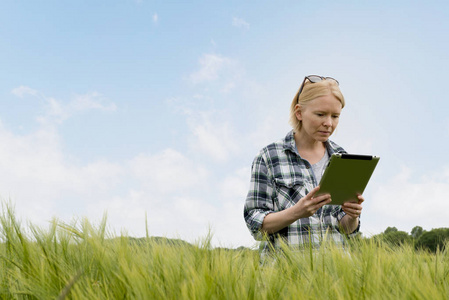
(325, 202)
(321, 198)
(353, 205)
(351, 214)
(361, 199)
(313, 192)
(355, 212)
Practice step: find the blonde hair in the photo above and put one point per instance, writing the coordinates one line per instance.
(311, 91)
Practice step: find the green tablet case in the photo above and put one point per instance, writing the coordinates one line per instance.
(347, 175)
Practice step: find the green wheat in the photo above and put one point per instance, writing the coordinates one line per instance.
(83, 261)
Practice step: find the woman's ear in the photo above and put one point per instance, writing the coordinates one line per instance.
(298, 112)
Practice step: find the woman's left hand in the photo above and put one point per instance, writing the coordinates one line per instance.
(353, 209)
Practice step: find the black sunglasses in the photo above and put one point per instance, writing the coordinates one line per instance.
(313, 79)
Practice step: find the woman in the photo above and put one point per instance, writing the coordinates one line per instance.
(281, 202)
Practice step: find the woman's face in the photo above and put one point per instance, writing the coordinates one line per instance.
(319, 117)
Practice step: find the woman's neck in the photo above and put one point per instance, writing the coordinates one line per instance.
(306, 143)
(309, 149)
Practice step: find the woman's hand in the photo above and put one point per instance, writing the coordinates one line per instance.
(350, 222)
(304, 208)
(309, 204)
(353, 209)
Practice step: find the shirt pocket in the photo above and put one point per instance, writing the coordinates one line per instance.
(288, 192)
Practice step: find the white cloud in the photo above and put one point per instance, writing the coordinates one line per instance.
(233, 190)
(240, 23)
(21, 91)
(215, 139)
(58, 111)
(216, 68)
(184, 217)
(171, 190)
(361, 145)
(90, 101)
(210, 66)
(40, 179)
(36, 174)
(193, 210)
(409, 200)
(231, 230)
(235, 186)
(167, 171)
(210, 132)
(182, 198)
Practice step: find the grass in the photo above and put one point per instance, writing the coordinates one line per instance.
(83, 261)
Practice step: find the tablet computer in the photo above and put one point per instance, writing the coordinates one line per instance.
(346, 176)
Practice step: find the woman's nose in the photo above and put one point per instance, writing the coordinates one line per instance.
(327, 122)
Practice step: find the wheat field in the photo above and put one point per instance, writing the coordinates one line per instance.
(84, 261)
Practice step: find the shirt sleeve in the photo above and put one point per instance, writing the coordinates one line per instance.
(259, 201)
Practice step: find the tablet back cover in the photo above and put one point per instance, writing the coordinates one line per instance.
(346, 176)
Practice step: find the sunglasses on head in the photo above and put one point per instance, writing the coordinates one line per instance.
(313, 79)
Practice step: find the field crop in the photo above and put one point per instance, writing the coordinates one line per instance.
(82, 261)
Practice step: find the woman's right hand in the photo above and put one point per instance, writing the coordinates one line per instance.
(304, 208)
(309, 204)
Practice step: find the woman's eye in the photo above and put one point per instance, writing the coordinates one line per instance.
(335, 117)
(319, 115)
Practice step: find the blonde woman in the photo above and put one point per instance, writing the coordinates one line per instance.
(281, 202)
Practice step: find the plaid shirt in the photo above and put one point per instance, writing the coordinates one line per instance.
(279, 179)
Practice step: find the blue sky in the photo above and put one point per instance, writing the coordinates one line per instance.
(158, 107)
